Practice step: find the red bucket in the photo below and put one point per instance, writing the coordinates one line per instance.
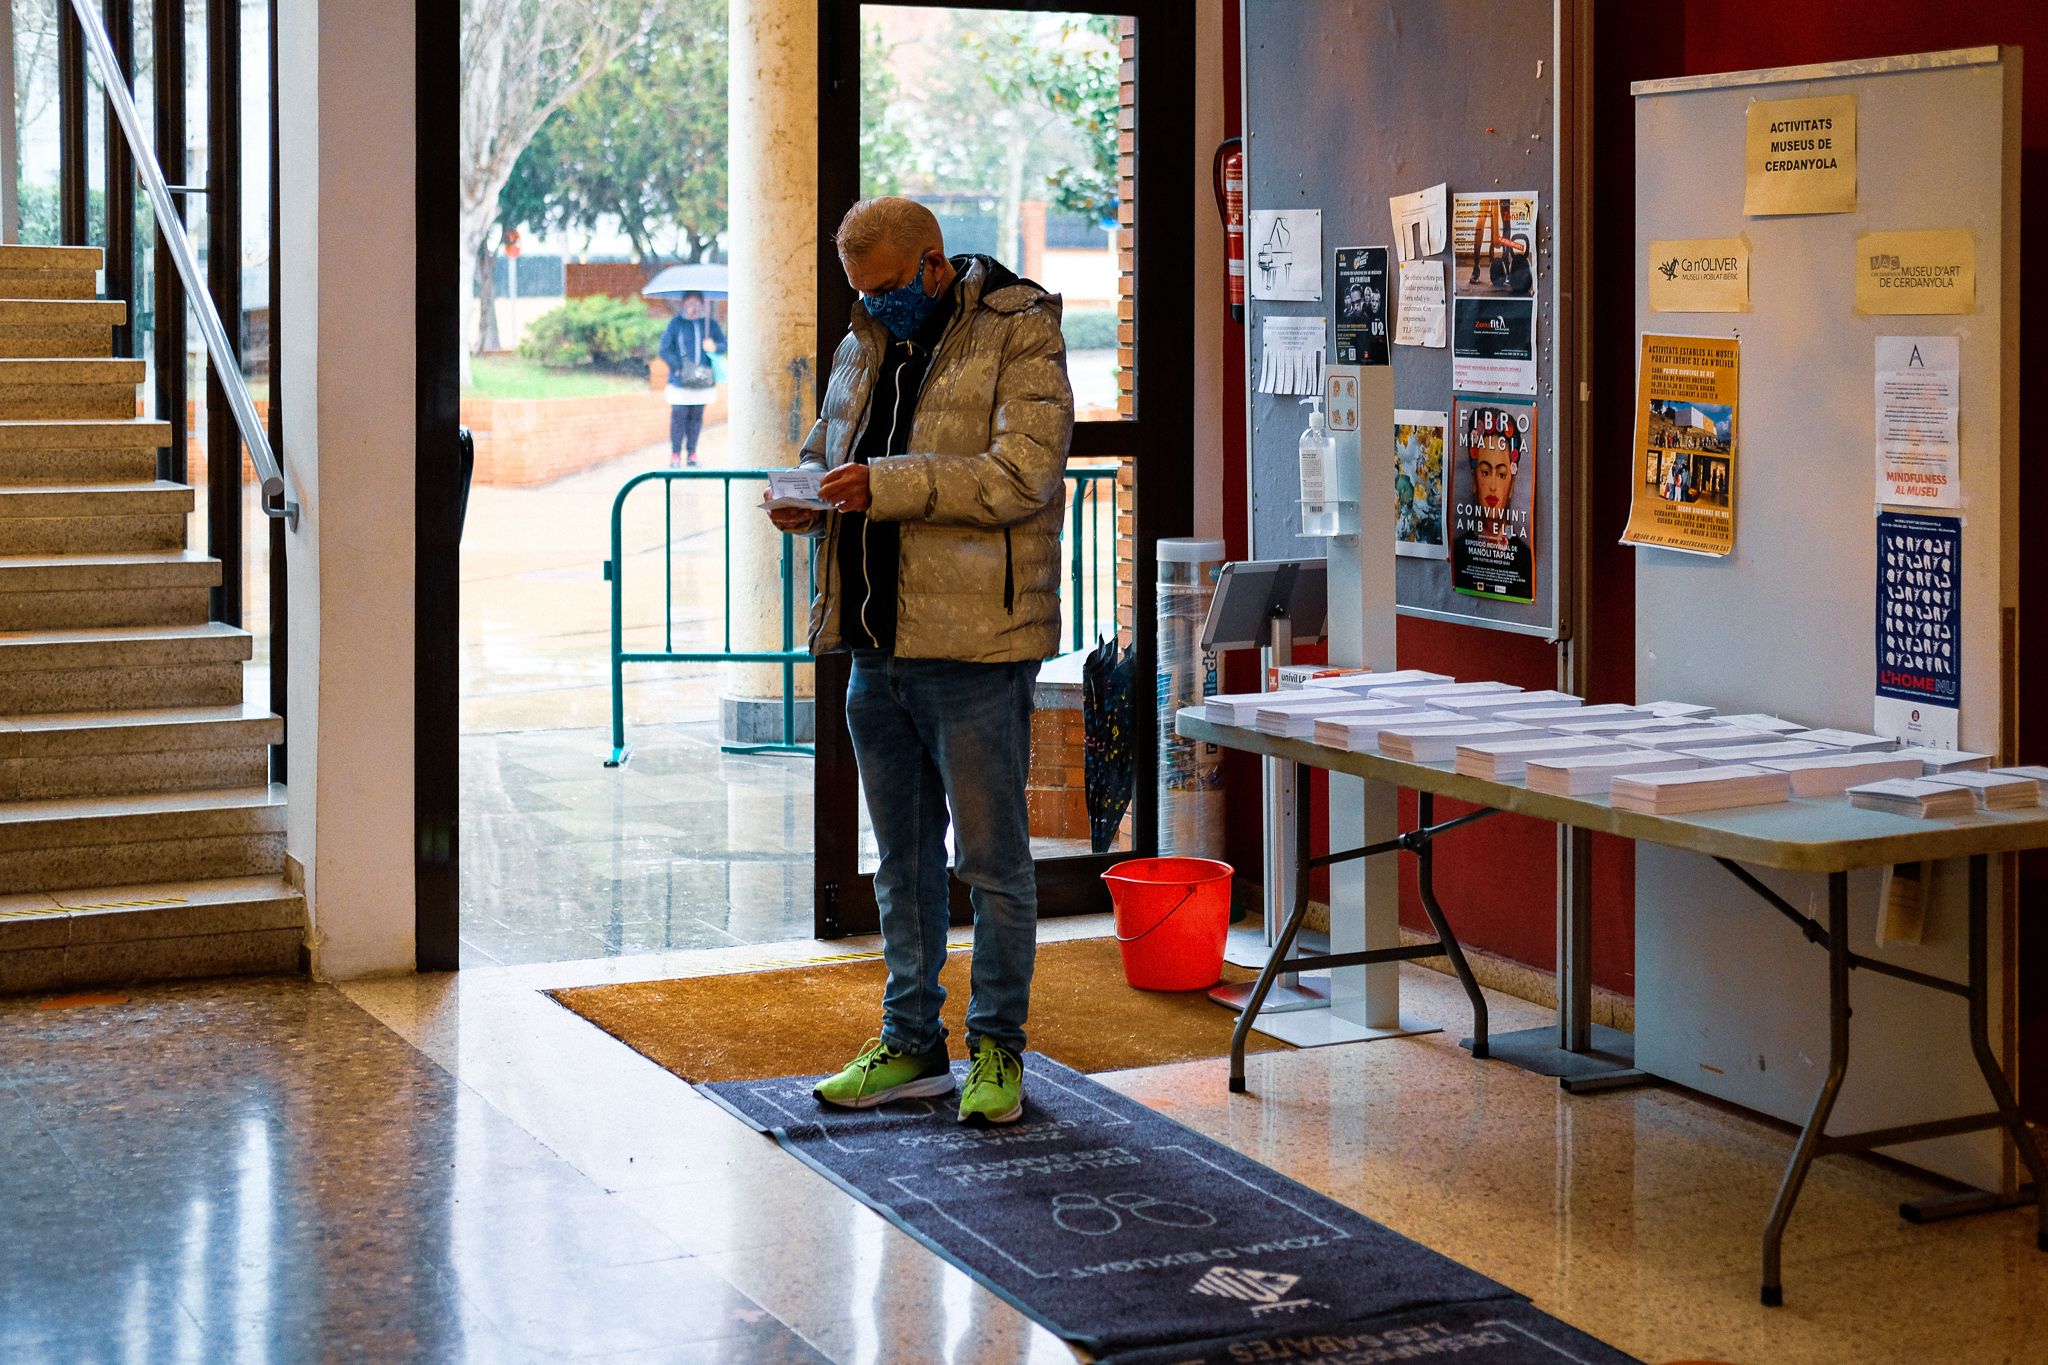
(1172, 917)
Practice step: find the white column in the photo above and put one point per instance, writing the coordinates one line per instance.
(346, 370)
(773, 313)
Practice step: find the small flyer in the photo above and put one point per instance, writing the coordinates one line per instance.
(1493, 498)
(1420, 318)
(1419, 222)
(1684, 485)
(1919, 391)
(1493, 244)
(1916, 272)
(1362, 305)
(1291, 358)
(1708, 275)
(1919, 628)
(1800, 156)
(1286, 247)
(1419, 440)
(1493, 345)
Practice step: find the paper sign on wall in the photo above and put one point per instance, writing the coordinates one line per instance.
(1493, 497)
(1291, 359)
(1919, 628)
(1919, 391)
(1286, 247)
(1361, 305)
(1684, 482)
(1493, 279)
(1419, 470)
(1706, 275)
(1419, 222)
(1916, 272)
(1421, 318)
(1801, 156)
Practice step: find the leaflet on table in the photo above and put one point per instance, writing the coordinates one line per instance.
(1419, 469)
(1493, 498)
(1919, 387)
(797, 487)
(1361, 322)
(1684, 481)
(1919, 628)
(1493, 278)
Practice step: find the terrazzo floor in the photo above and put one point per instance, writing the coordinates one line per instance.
(454, 1168)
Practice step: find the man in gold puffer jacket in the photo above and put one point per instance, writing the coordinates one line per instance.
(945, 430)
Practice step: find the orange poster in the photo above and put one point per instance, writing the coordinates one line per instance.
(1684, 455)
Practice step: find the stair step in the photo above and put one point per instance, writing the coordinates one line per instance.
(168, 836)
(112, 935)
(62, 312)
(34, 328)
(35, 371)
(77, 468)
(104, 518)
(71, 283)
(69, 389)
(132, 433)
(122, 668)
(14, 257)
(111, 753)
(74, 591)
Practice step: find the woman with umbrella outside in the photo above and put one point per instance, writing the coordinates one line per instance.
(686, 348)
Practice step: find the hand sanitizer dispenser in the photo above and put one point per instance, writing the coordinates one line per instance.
(1329, 506)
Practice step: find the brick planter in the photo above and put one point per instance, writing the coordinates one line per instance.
(521, 442)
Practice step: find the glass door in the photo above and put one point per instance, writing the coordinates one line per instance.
(1029, 130)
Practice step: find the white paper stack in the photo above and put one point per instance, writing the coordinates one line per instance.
(1235, 708)
(1692, 737)
(1430, 691)
(1366, 682)
(1995, 791)
(1678, 710)
(1716, 788)
(1833, 771)
(1934, 761)
(1500, 759)
(1590, 774)
(1435, 743)
(1763, 748)
(2038, 774)
(1758, 721)
(1483, 704)
(1850, 741)
(1359, 734)
(1914, 796)
(1635, 723)
(1297, 720)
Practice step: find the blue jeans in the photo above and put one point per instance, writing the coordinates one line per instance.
(929, 733)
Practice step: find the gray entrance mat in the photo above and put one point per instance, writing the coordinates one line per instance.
(1113, 1225)
(1497, 1332)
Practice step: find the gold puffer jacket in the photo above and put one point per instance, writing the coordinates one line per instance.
(982, 495)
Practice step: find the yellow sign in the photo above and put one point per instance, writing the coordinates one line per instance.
(1801, 156)
(1708, 275)
(1684, 476)
(1916, 272)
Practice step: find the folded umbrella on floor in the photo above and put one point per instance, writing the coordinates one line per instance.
(1107, 739)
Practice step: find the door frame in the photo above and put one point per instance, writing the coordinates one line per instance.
(1160, 435)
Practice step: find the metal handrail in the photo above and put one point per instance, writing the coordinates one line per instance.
(227, 366)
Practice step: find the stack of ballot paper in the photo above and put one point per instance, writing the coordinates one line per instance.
(1359, 734)
(1430, 691)
(1691, 737)
(1934, 761)
(1500, 759)
(1424, 743)
(1481, 704)
(1995, 791)
(2038, 774)
(1234, 708)
(1590, 774)
(1365, 682)
(1634, 723)
(1758, 721)
(1297, 720)
(1914, 796)
(1850, 741)
(1833, 771)
(1717, 788)
(1548, 716)
(1760, 748)
(1678, 710)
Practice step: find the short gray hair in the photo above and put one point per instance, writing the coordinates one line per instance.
(904, 222)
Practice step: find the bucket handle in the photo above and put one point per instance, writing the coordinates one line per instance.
(1163, 918)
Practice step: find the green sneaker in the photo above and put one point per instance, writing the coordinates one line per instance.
(881, 1074)
(994, 1092)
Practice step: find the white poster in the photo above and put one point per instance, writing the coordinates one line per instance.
(1420, 222)
(1286, 247)
(1420, 318)
(1291, 358)
(1919, 388)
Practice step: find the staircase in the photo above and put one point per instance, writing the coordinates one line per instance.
(140, 835)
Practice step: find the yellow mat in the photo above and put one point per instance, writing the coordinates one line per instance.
(803, 1021)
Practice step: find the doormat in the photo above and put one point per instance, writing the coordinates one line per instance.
(1496, 1332)
(798, 1021)
(1115, 1226)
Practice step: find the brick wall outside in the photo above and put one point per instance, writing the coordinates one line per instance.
(1055, 790)
(1126, 312)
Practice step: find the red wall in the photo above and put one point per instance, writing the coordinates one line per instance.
(1505, 903)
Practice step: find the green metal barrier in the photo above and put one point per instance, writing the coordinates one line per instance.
(1086, 509)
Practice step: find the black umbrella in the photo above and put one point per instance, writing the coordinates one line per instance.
(1108, 746)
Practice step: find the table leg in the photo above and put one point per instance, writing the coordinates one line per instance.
(1980, 1044)
(1425, 881)
(1811, 1136)
(1284, 949)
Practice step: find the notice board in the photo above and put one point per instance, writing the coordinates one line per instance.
(1730, 1000)
(1346, 104)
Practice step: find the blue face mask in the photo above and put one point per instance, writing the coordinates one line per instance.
(902, 311)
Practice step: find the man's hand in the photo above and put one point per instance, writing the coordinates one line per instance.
(788, 518)
(846, 488)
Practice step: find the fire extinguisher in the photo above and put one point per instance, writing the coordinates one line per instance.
(1226, 174)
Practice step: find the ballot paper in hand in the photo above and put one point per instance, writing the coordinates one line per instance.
(796, 487)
